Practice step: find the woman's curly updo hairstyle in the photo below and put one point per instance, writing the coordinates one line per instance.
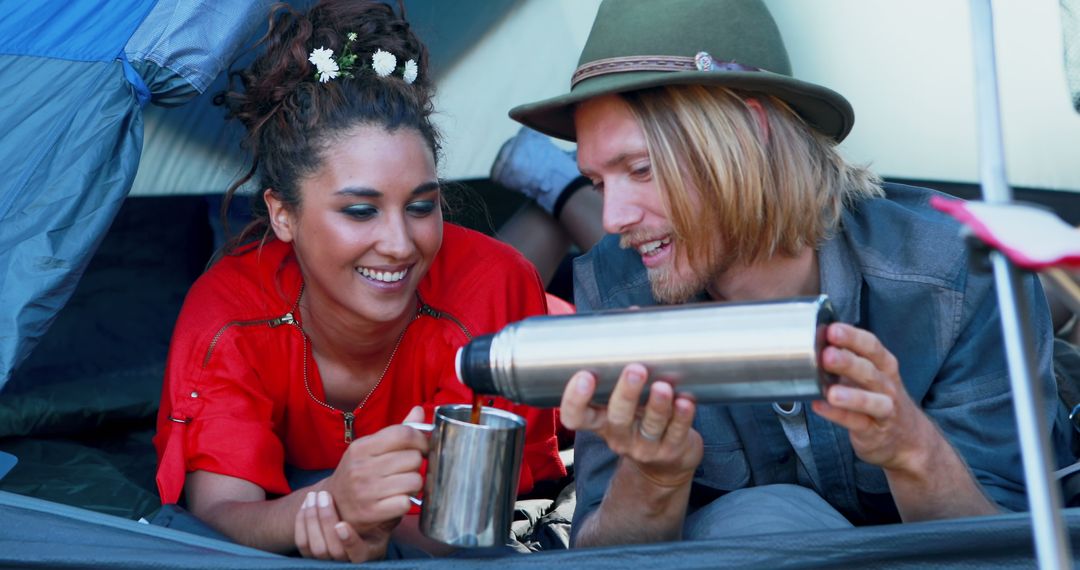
(292, 119)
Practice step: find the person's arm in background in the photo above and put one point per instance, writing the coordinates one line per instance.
(565, 209)
(1066, 321)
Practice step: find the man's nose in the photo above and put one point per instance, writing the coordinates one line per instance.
(621, 211)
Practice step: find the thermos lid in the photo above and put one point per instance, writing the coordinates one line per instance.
(473, 365)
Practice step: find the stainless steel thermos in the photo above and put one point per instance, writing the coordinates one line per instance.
(719, 352)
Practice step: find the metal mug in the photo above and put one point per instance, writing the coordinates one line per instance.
(472, 475)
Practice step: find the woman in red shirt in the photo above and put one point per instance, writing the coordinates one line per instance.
(304, 350)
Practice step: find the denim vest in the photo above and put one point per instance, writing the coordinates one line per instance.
(899, 269)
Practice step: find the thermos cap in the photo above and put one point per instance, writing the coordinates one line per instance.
(473, 365)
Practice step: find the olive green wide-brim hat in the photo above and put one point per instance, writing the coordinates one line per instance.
(638, 44)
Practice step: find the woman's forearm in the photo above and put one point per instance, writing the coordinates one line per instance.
(240, 510)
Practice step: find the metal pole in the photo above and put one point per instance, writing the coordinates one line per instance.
(1044, 497)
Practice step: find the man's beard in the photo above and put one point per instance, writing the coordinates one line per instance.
(670, 288)
(668, 285)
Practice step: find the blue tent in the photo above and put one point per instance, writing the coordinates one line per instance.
(77, 74)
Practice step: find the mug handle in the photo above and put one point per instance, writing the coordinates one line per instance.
(428, 428)
(420, 426)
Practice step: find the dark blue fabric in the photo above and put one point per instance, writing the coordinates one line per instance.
(7, 461)
(80, 30)
(178, 518)
(39, 534)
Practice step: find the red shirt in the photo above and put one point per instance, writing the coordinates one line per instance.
(235, 401)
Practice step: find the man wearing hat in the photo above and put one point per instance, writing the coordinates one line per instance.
(721, 182)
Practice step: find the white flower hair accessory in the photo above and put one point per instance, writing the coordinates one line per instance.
(383, 63)
(409, 75)
(325, 66)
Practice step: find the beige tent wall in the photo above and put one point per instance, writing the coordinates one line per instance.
(906, 66)
(529, 56)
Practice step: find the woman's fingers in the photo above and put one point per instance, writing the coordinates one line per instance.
(399, 484)
(321, 534)
(394, 462)
(356, 550)
(316, 543)
(366, 480)
(391, 438)
(385, 499)
(300, 526)
(392, 507)
(328, 519)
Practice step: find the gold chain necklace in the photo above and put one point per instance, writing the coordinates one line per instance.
(349, 417)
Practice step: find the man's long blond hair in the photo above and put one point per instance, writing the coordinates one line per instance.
(720, 174)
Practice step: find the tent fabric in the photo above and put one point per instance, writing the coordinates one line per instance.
(73, 154)
(79, 413)
(92, 539)
(193, 41)
(78, 73)
(114, 475)
(193, 150)
(77, 30)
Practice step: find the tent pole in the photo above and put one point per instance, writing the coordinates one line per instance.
(1044, 496)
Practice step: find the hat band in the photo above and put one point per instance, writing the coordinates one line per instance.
(700, 62)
